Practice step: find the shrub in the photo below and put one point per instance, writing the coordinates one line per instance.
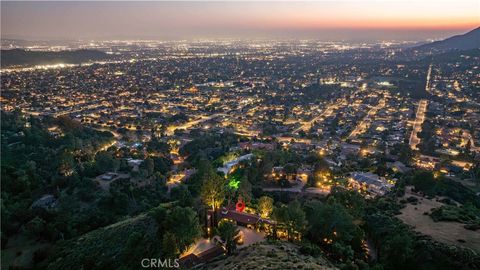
(310, 249)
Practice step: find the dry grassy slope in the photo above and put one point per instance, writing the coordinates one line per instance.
(280, 255)
(448, 232)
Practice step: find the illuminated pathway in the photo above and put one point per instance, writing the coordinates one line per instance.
(429, 74)
(171, 129)
(417, 125)
(365, 123)
(175, 180)
(420, 117)
(106, 129)
(326, 113)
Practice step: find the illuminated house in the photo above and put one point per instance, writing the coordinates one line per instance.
(370, 182)
(280, 173)
(426, 162)
(240, 218)
(229, 166)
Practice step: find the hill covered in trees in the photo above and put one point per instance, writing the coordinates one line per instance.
(159, 233)
(48, 188)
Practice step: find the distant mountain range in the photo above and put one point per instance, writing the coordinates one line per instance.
(20, 57)
(467, 41)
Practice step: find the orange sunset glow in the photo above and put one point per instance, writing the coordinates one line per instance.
(231, 18)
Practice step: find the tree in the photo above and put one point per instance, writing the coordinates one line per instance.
(343, 251)
(228, 233)
(245, 189)
(169, 245)
(398, 251)
(352, 201)
(290, 169)
(405, 153)
(104, 161)
(213, 190)
(66, 164)
(296, 217)
(291, 217)
(147, 167)
(331, 223)
(476, 174)
(159, 147)
(195, 183)
(265, 206)
(182, 195)
(162, 164)
(36, 227)
(424, 181)
(183, 223)
(321, 171)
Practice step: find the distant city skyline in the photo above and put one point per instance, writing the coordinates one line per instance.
(325, 20)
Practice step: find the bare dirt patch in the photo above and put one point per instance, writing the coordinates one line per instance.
(443, 231)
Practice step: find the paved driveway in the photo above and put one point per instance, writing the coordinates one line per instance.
(250, 236)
